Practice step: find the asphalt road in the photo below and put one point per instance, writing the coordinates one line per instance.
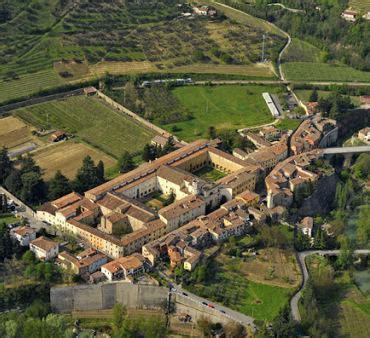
(225, 311)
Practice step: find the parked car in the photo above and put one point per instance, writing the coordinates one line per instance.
(211, 306)
(185, 294)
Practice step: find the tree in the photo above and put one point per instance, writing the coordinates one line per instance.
(363, 226)
(314, 96)
(361, 168)
(86, 177)
(14, 182)
(150, 152)
(345, 258)
(131, 97)
(5, 165)
(169, 146)
(59, 186)
(100, 171)
(125, 162)
(234, 330)
(320, 240)
(212, 134)
(33, 187)
(283, 325)
(119, 312)
(302, 241)
(6, 248)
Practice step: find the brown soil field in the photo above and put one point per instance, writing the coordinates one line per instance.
(67, 157)
(14, 133)
(271, 266)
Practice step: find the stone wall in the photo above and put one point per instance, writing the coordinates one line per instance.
(105, 295)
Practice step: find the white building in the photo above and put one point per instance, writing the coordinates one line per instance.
(44, 249)
(24, 235)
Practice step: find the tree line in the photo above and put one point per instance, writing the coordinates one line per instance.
(23, 178)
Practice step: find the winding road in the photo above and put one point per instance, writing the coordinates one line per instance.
(302, 264)
(293, 10)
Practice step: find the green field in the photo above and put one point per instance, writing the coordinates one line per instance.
(302, 51)
(29, 84)
(360, 5)
(229, 285)
(92, 121)
(288, 124)
(8, 218)
(224, 107)
(304, 95)
(314, 71)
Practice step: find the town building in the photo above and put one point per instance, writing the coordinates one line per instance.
(290, 177)
(85, 263)
(44, 249)
(306, 226)
(23, 234)
(314, 132)
(128, 267)
(364, 135)
(114, 217)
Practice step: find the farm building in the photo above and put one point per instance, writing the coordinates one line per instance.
(349, 15)
(90, 91)
(58, 135)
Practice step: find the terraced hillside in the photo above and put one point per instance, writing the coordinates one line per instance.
(69, 40)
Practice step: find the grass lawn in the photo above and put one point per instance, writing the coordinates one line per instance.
(302, 51)
(288, 124)
(224, 107)
(315, 71)
(255, 286)
(210, 174)
(92, 121)
(8, 218)
(157, 201)
(304, 95)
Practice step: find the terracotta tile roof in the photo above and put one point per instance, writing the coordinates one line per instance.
(181, 207)
(49, 208)
(66, 200)
(44, 243)
(24, 230)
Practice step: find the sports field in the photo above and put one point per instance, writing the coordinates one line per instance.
(224, 107)
(315, 71)
(67, 157)
(92, 121)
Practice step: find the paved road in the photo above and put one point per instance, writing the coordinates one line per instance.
(346, 150)
(293, 10)
(302, 263)
(227, 312)
(25, 211)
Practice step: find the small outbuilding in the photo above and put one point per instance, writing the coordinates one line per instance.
(58, 135)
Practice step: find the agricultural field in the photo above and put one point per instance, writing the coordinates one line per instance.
(224, 107)
(14, 133)
(29, 84)
(360, 5)
(78, 41)
(90, 120)
(315, 71)
(258, 287)
(67, 157)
